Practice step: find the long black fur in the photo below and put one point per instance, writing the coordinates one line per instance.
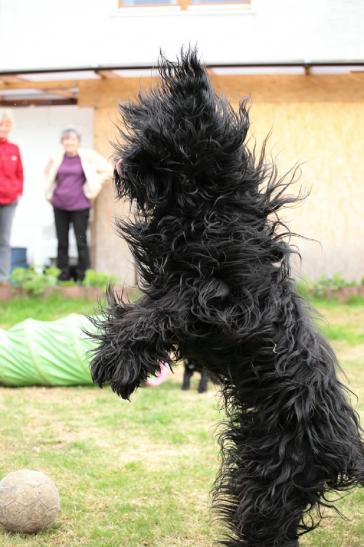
(214, 259)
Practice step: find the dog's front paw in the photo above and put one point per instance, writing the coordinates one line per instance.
(122, 371)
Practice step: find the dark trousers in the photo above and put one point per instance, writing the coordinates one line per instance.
(79, 220)
(6, 219)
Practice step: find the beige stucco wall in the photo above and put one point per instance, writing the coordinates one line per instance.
(109, 252)
(317, 121)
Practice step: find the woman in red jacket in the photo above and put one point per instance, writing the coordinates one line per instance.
(11, 187)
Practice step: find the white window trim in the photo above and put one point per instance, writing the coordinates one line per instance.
(194, 10)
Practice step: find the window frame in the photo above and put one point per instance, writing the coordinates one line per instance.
(185, 5)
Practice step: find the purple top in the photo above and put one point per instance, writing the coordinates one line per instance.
(70, 178)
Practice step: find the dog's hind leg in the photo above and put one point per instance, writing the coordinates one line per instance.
(292, 436)
(256, 493)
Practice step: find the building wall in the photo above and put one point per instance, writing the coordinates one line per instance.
(69, 33)
(109, 252)
(317, 121)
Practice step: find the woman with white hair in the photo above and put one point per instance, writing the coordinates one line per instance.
(11, 188)
(74, 177)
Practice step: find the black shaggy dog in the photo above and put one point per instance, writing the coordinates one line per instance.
(214, 258)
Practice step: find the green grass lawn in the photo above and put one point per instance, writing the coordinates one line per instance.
(53, 307)
(139, 474)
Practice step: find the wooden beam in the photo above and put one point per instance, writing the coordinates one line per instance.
(184, 4)
(36, 102)
(12, 79)
(296, 63)
(106, 74)
(62, 93)
(28, 84)
(307, 70)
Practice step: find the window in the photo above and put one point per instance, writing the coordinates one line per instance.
(183, 4)
(137, 3)
(207, 2)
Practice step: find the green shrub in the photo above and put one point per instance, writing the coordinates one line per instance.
(68, 283)
(304, 287)
(34, 282)
(335, 281)
(319, 287)
(99, 280)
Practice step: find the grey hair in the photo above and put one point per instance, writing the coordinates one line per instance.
(6, 114)
(68, 131)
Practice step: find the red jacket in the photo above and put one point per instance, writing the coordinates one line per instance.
(11, 172)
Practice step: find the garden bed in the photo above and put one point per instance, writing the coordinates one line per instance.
(344, 294)
(30, 282)
(332, 287)
(76, 291)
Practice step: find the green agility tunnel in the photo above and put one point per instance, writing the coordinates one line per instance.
(47, 353)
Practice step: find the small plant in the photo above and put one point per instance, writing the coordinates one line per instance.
(328, 286)
(68, 283)
(19, 276)
(330, 282)
(305, 287)
(98, 280)
(51, 274)
(34, 282)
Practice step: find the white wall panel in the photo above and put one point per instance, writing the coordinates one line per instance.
(70, 33)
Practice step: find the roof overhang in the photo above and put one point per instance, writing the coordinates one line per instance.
(59, 86)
